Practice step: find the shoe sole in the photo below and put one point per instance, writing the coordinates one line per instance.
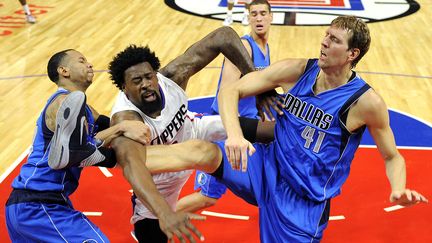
(66, 123)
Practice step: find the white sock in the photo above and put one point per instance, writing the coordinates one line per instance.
(229, 12)
(26, 9)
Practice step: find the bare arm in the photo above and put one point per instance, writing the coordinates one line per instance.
(280, 74)
(372, 107)
(223, 40)
(230, 72)
(135, 130)
(131, 156)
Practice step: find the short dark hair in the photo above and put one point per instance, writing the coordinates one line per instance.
(360, 37)
(129, 57)
(256, 2)
(53, 63)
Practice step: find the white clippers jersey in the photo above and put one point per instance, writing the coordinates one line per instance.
(175, 124)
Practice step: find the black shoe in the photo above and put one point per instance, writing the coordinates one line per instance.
(69, 146)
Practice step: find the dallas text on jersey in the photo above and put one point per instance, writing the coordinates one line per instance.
(307, 112)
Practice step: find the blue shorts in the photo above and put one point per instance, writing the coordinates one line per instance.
(42, 222)
(209, 186)
(284, 216)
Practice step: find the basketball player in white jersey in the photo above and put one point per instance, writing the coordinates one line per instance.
(157, 98)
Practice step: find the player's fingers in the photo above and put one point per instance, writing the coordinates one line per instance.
(195, 230)
(261, 114)
(408, 194)
(237, 158)
(187, 233)
(244, 159)
(423, 199)
(277, 105)
(229, 153)
(415, 195)
(179, 236)
(279, 102)
(169, 236)
(268, 112)
(234, 158)
(251, 149)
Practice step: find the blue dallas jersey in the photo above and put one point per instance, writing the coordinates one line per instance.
(247, 106)
(312, 146)
(36, 174)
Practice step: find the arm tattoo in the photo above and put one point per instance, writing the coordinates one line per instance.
(223, 40)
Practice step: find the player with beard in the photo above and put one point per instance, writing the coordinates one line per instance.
(157, 97)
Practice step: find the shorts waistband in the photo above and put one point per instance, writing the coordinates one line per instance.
(23, 195)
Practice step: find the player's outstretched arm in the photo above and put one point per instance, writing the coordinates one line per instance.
(131, 156)
(223, 40)
(280, 74)
(134, 130)
(376, 118)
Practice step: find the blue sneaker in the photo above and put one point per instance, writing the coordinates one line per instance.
(69, 146)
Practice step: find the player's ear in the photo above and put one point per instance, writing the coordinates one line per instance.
(354, 53)
(63, 71)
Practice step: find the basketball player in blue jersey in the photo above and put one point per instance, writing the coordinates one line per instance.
(327, 108)
(39, 208)
(260, 18)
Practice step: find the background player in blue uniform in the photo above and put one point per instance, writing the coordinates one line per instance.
(39, 208)
(327, 107)
(260, 18)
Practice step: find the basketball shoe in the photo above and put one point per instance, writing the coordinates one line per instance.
(69, 145)
(228, 20)
(30, 19)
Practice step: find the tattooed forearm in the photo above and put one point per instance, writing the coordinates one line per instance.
(223, 40)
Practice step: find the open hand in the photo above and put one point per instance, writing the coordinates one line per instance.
(267, 100)
(407, 198)
(237, 150)
(177, 224)
(136, 130)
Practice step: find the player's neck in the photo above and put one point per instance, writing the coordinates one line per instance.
(329, 80)
(71, 86)
(261, 40)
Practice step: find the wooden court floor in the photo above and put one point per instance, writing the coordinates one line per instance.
(397, 66)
